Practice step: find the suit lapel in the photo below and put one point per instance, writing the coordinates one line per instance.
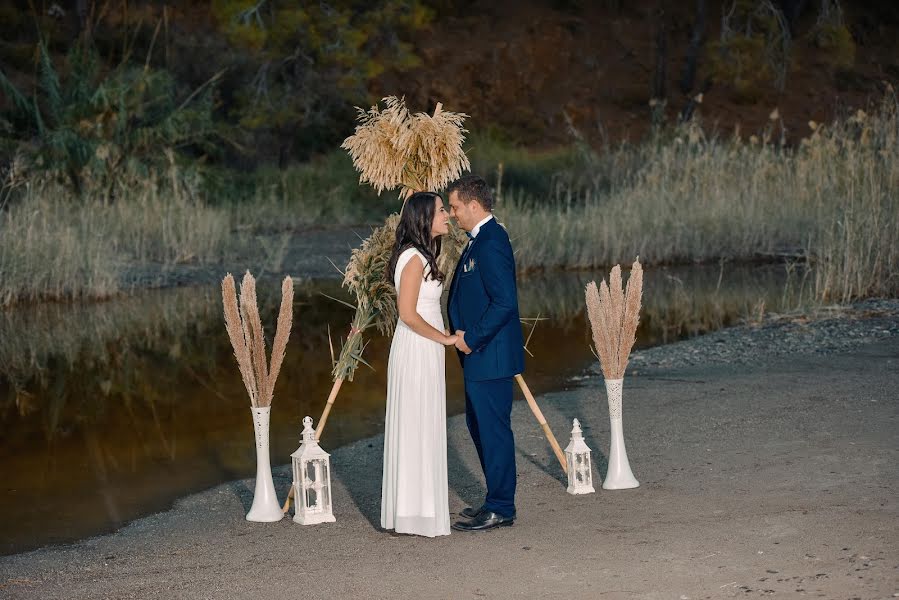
(452, 291)
(467, 252)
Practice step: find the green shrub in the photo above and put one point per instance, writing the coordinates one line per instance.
(101, 133)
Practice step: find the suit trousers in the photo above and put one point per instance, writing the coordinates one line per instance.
(488, 412)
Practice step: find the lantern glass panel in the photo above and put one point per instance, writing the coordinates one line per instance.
(326, 485)
(310, 493)
(311, 499)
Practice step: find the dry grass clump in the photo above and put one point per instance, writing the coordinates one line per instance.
(392, 148)
(244, 327)
(614, 316)
(691, 196)
(365, 277)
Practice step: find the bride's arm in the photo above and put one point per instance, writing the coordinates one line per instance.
(407, 301)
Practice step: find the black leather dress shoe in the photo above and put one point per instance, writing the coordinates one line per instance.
(484, 520)
(471, 513)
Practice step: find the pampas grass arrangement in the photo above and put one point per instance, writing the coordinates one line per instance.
(244, 327)
(614, 315)
(392, 148)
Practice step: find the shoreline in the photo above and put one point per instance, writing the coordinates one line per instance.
(308, 251)
(683, 401)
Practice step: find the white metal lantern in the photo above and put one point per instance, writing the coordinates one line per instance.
(311, 480)
(580, 469)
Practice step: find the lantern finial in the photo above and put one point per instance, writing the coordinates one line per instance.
(308, 432)
(576, 431)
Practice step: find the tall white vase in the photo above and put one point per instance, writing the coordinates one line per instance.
(265, 507)
(619, 475)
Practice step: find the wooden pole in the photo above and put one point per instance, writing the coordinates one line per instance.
(324, 418)
(286, 506)
(542, 420)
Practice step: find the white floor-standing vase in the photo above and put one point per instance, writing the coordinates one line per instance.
(265, 507)
(619, 475)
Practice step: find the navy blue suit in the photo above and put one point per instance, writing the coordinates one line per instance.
(483, 302)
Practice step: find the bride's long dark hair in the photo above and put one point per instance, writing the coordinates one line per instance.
(414, 231)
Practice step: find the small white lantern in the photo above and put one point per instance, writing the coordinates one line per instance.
(580, 471)
(311, 480)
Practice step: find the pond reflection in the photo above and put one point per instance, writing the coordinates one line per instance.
(113, 410)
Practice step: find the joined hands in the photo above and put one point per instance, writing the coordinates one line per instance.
(460, 342)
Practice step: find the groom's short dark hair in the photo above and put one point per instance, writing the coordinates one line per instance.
(472, 187)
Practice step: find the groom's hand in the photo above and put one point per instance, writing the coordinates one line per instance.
(460, 342)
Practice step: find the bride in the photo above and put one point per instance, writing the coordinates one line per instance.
(414, 494)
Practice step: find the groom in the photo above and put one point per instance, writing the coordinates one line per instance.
(483, 311)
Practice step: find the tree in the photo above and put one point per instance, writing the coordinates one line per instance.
(310, 63)
(91, 129)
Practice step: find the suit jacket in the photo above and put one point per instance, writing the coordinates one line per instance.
(483, 302)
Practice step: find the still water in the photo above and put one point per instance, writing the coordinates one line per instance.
(113, 410)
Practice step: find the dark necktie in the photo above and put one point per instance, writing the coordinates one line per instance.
(467, 246)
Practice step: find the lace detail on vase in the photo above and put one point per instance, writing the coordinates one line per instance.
(613, 392)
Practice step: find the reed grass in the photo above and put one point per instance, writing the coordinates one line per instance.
(831, 201)
(681, 197)
(54, 246)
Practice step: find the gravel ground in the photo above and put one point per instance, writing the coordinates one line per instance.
(767, 459)
(825, 331)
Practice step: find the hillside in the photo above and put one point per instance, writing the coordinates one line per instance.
(518, 66)
(290, 74)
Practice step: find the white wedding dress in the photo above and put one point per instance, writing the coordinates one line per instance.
(414, 488)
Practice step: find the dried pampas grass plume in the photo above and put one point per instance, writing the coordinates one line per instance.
(614, 316)
(374, 148)
(392, 148)
(244, 327)
(282, 334)
(236, 333)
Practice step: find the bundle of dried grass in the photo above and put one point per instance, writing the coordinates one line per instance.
(614, 316)
(244, 327)
(365, 277)
(392, 148)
